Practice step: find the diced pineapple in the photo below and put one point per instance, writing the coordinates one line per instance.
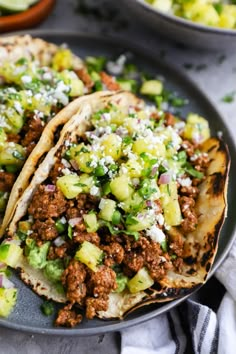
(84, 160)
(120, 187)
(152, 87)
(3, 138)
(201, 12)
(142, 145)
(91, 222)
(62, 60)
(196, 128)
(10, 254)
(15, 122)
(131, 124)
(72, 80)
(117, 117)
(170, 204)
(90, 255)
(86, 182)
(141, 281)
(69, 185)
(107, 208)
(77, 149)
(8, 299)
(228, 17)
(112, 146)
(134, 168)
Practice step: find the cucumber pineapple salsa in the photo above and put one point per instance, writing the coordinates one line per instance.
(216, 13)
(111, 214)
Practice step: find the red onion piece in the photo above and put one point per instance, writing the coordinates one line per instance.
(50, 188)
(74, 165)
(165, 178)
(2, 265)
(148, 203)
(74, 221)
(154, 171)
(59, 241)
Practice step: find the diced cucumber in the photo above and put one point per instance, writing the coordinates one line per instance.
(91, 222)
(151, 87)
(8, 299)
(121, 281)
(132, 204)
(170, 204)
(141, 281)
(107, 208)
(12, 154)
(37, 255)
(10, 254)
(127, 85)
(90, 255)
(143, 222)
(69, 185)
(120, 188)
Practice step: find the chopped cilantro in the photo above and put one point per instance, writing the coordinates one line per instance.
(229, 98)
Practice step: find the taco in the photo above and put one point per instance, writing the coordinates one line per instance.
(37, 79)
(124, 210)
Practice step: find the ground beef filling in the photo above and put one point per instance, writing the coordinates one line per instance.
(32, 132)
(7, 180)
(84, 287)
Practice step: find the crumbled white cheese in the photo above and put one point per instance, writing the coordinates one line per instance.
(65, 163)
(47, 76)
(63, 220)
(160, 219)
(66, 171)
(156, 234)
(26, 79)
(95, 191)
(185, 182)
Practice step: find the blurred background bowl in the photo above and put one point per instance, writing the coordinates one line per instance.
(180, 30)
(28, 18)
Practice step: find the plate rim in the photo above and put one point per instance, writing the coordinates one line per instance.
(179, 73)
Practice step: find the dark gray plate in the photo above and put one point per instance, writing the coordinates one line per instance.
(27, 315)
(178, 29)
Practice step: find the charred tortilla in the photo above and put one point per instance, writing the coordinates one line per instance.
(186, 256)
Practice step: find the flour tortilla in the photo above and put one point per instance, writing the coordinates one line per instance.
(200, 245)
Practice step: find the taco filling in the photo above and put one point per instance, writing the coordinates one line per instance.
(37, 79)
(113, 213)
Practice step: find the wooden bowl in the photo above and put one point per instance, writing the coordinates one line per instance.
(26, 19)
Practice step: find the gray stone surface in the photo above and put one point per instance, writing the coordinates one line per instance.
(214, 72)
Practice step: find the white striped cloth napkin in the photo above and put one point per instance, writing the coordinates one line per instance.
(191, 327)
